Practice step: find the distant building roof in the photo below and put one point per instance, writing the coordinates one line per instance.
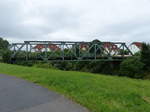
(110, 46)
(137, 44)
(52, 47)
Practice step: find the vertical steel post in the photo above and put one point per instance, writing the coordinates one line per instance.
(79, 51)
(46, 55)
(26, 51)
(95, 51)
(75, 49)
(63, 57)
(30, 48)
(14, 48)
(123, 50)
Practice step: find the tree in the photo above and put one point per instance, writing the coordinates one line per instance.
(4, 51)
(6, 56)
(132, 67)
(145, 56)
(4, 44)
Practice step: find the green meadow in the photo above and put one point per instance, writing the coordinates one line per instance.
(96, 92)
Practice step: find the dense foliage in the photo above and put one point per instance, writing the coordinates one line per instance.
(4, 44)
(6, 56)
(132, 67)
(145, 56)
(139, 65)
(4, 51)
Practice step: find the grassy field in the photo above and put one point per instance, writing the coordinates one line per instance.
(99, 93)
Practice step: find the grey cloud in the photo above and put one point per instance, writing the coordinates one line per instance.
(134, 30)
(54, 20)
(75, 20)
(10, 17)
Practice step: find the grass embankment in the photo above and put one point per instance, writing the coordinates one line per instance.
(98, 93)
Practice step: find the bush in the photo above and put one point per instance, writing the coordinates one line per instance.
(4, 51)
(4, 44)
(97, 67)
(132, 67)
(6, 56)
(145, 56)
(24, 63)
(43, 65)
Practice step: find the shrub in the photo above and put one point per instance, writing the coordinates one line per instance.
(4, 52)
(4, 44)
(43, 65)
(66, 65)
(24, 63)
(145, 56)
(132, 67)
(6, 56)
(97, 67)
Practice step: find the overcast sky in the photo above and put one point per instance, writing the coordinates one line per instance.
(75, 20)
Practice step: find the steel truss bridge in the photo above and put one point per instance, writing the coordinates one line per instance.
(70, 51)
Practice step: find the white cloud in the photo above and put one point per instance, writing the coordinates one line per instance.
(107, 20)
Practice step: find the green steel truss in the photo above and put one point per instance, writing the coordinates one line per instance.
(70, 51)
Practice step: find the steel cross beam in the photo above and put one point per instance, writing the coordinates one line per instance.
(69, 51)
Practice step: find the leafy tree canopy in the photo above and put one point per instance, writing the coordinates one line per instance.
(3, 44)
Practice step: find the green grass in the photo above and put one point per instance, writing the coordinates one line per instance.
(99, 93)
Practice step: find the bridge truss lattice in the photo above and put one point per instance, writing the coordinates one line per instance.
(70, 50)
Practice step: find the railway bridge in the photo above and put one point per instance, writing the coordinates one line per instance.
(70, 51)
